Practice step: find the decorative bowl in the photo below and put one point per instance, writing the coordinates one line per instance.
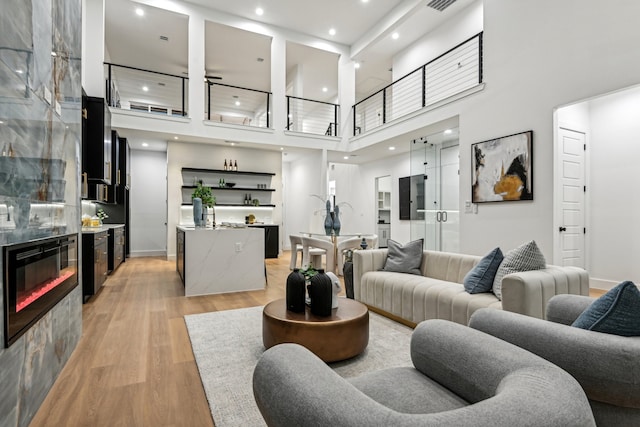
(230, 184)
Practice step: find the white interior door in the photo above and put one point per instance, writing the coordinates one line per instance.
(572, 202)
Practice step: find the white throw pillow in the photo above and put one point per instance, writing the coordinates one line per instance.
(523, 258)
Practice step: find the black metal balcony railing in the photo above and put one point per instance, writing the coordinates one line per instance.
(155, 92)
(237, 105)
(451, 73)
(315, 117)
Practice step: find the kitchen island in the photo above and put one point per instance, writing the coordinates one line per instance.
(220, 260)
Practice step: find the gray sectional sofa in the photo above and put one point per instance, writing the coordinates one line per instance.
(439, 293)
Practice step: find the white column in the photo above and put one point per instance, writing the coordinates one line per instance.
(346, 93)
(196, 68)
(93, 47)
(278, 119)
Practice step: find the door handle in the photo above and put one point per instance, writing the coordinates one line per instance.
(561, 229)
(444, 216)
(438, 216)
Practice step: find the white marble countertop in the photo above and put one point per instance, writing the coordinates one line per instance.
(103, 227)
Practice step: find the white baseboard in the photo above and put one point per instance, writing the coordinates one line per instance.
(140, 254)
(602, 284)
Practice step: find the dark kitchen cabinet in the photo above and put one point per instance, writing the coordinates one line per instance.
(116, 247)
(271, 240)
(97, 162)
(94, 262)
(122, 168)
(180, 254)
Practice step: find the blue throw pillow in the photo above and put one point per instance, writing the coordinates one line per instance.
(480, 278)
(616, 312)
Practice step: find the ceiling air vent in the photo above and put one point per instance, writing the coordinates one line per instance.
(440, 5)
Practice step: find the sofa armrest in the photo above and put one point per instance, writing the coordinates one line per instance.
(364, 261)
(293, 387)
(528, 292)
(605, 365)
(565, 309)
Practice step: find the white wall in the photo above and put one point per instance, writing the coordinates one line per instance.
(207, 156)
(613, 231)
(148, 200)
(459, 28)
(303, 179)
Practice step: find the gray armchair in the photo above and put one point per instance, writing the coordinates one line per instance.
(606, 366)
(460, 377)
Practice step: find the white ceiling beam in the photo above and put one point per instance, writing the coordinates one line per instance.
(386, 26)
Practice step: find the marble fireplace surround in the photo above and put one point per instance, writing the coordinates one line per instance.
(40, 133)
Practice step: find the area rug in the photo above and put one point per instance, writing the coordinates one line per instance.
(228, 344)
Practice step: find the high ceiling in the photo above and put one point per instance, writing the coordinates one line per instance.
(159, 40)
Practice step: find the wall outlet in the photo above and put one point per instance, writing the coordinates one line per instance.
(238, 247)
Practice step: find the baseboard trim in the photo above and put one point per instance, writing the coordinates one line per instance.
(602, 284)
(141, 254)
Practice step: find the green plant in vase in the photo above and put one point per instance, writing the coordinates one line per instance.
(204, 193)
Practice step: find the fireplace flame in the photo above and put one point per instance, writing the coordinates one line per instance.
(28, 299)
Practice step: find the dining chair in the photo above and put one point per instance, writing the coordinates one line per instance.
(296, 246)
(343, 246)
(312, 251)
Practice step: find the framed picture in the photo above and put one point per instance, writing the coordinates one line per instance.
(502, 169)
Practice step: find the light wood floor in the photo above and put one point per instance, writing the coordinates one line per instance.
(134, 365)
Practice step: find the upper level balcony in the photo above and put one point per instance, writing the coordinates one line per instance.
(162, 94)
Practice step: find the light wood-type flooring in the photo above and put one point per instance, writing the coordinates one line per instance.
(134, 365)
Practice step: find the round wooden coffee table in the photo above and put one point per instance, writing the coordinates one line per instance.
(342, 335)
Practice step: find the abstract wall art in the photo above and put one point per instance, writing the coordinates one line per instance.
(502, 169)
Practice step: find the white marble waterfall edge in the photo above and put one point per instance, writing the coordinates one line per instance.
(223, 260)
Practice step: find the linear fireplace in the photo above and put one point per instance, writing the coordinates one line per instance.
(37, 275)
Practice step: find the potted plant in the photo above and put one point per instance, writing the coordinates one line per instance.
(206, 200)
(204, 194)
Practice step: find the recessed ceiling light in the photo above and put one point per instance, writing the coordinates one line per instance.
(324, 89)
(365, 1)
(19, 71)
(356, 65)
(395, 36)
(281, 148)
(175, 137)
(332, 32)
(139, 11)
(392, 148)
(144, 144)
(237, 103)
(448, 132)
(346, 157)
(259, 11)
(144, 88)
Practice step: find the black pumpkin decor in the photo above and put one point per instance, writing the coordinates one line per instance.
(320, 293)
(295, 291)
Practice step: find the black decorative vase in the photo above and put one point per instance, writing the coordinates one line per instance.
(295, 291)
(347, 271)
(320, 293)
